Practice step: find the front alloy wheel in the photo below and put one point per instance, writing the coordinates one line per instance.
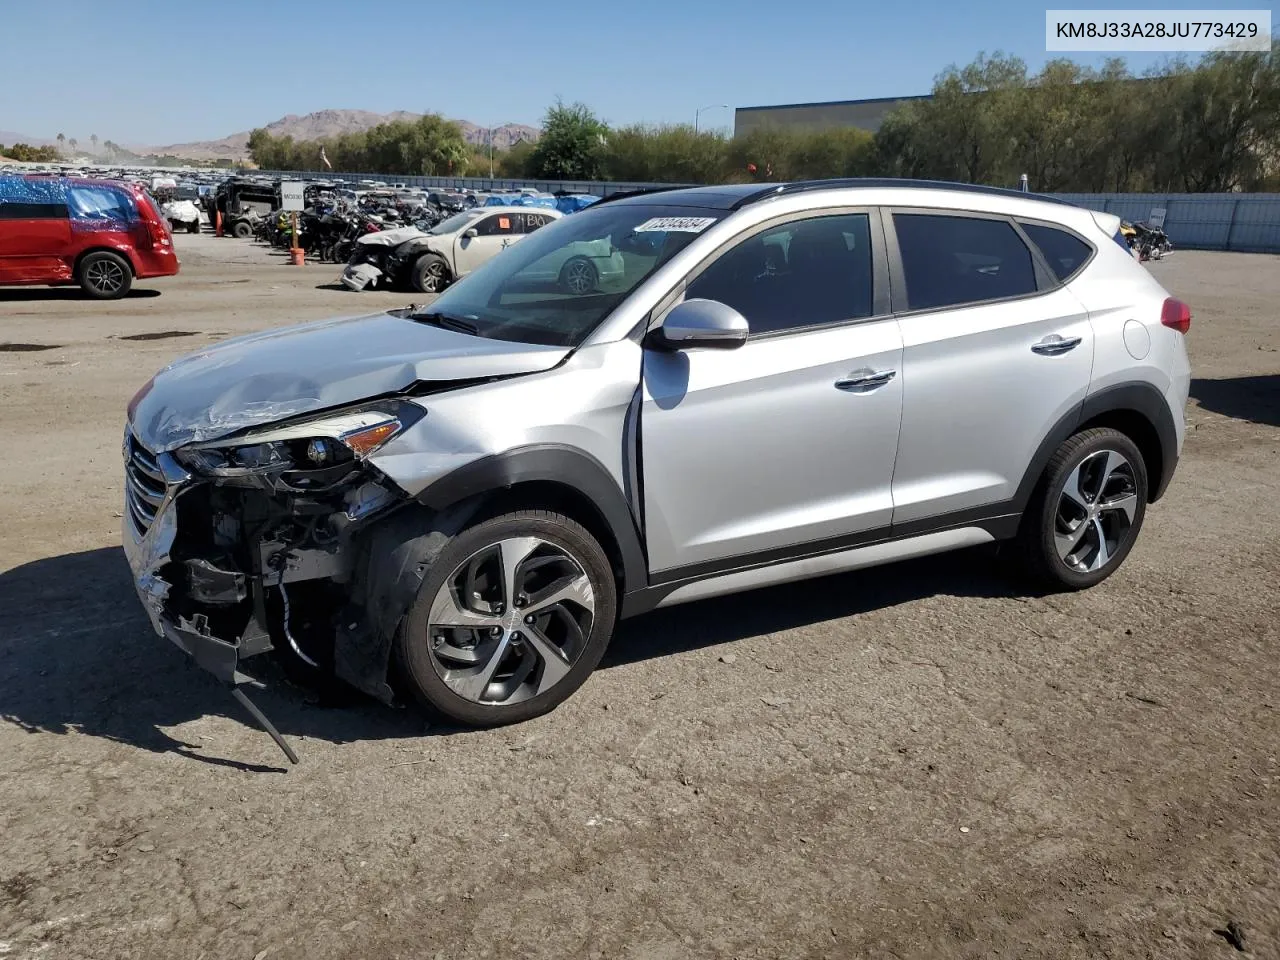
(510, 621)
(513, 615)
(430, 274)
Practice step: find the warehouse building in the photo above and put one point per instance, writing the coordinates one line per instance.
(865, 114)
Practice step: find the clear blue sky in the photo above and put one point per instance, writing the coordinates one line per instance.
(163, 71)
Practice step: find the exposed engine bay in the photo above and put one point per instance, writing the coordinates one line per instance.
(243, 548)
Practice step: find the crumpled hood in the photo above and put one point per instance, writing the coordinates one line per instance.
(265, 377)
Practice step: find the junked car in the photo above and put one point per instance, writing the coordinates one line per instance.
(783, 382)
(430, 260)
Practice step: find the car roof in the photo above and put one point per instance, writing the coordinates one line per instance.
(74, 181)
(736, 195)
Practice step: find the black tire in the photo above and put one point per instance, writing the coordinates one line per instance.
(414, 641)
(242, 229)
(1049, 523)
(579, 276)
(104, 276)
(193, 227)
(430, 273)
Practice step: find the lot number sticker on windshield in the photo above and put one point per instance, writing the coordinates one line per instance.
(676, 224)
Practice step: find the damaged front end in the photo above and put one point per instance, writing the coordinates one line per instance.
(251, 543)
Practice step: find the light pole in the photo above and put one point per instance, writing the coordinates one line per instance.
(491, 153)
(698, 113)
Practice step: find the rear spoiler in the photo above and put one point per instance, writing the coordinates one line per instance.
(1108, 223)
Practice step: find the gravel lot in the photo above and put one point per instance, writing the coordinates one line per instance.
(907, 762)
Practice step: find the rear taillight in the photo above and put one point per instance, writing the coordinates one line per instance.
(158, 232)
(1176, 315)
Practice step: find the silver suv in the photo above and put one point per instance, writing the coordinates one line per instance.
(776, 383)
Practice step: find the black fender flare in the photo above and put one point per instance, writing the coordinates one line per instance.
(1131, 397)
(554, 463)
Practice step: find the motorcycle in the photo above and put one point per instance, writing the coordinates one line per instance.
(1148, 241)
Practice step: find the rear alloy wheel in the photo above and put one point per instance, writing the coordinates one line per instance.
(430, 274)
(511, 619)
(579, 276)
(1088, 511)
(105, 276)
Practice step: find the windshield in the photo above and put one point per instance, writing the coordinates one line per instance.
(454, 223)
(559, 283)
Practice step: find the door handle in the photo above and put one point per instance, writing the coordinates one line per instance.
(1052, 345)
(866, 379)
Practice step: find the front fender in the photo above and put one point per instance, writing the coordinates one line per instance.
(561, 465)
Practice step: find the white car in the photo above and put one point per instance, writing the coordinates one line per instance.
(428, 261)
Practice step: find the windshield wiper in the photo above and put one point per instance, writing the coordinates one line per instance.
(448, 322)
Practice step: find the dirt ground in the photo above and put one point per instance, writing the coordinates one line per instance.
(914, 761)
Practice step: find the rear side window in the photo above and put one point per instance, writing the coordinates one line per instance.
(954, 260)
(100, 203)
(1064, 252)
(532, 221)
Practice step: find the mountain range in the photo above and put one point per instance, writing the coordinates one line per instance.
(311, 126)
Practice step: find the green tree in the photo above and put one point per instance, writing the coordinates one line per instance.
(572, 145)
(764, 154)
(840, 152)
(1223, 119)
(26, 153)
(514, 162)
(675, 153)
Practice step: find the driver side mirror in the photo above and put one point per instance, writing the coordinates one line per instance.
(471, 234)
(700, 323)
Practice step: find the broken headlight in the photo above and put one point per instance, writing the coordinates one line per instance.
(308, 454)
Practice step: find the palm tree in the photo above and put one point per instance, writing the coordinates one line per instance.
(62, 139)
(93, 138)
(73, 141)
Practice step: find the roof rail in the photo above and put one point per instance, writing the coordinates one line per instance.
(804, 186)
(625, 194)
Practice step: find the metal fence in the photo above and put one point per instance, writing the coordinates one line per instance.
(599, 188)
(1246, 222)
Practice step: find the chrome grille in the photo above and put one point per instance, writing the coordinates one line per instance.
(144, 485)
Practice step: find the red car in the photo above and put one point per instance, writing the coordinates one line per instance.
(100, 234)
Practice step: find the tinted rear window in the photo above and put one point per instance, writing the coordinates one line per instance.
(101, 203)
(1064, 252)
(954, 260)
